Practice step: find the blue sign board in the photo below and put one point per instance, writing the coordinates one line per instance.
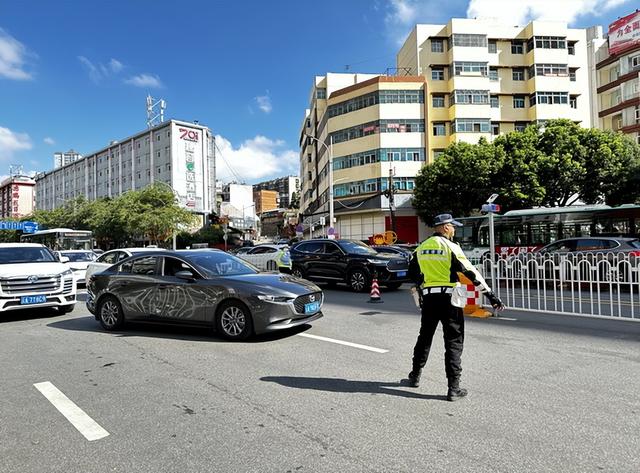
(493, 208)
(26, 227)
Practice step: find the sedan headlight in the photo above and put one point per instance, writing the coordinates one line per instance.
(275, 299)
(377, 261)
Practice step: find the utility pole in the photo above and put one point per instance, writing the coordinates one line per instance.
(392, 191)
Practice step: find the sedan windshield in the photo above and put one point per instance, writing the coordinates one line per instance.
(217, 263)
(26, 255)
(81, 256)
(356, 247)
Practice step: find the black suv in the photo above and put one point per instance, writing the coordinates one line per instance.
(349, 261)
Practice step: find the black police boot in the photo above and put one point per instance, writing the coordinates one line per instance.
(455, 391)
(414, 379)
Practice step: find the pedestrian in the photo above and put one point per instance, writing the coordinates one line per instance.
(434, 268)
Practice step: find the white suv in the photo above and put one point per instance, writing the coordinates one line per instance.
(32, 277)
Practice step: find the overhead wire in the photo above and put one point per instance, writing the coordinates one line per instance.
(233, 171)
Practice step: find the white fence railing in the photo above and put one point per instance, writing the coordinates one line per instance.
(601, 284)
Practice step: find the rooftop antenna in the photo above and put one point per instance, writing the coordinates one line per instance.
(16, 170)
(155, 111)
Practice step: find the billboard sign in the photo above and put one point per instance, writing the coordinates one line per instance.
(624, 33)
(189, 162)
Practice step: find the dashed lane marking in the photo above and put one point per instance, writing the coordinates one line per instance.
(78, 418)
(341, 342)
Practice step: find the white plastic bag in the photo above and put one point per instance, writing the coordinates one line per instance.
(459, 296)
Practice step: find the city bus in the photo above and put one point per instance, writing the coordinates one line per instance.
(58, 239)
(526, 230)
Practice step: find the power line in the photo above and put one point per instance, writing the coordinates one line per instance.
(233, 171)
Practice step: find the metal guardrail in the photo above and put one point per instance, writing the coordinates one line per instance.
(595, 284)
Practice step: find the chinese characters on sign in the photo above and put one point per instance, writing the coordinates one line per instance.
(190, 139)
(624, 33)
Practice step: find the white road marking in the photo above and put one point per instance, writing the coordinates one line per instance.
(340, 342)
(78, 418)
(499, 317)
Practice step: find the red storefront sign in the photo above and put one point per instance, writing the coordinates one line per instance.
(624, 33)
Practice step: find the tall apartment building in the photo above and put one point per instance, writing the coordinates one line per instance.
(265, 201)
(62, 159)
(618, 77)
(284, 186)
(176, 153)
(16, 196)
(372, 125)
(484, 79)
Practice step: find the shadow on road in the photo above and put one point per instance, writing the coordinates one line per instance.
(167, 331)
(21, 315)
(347, 386)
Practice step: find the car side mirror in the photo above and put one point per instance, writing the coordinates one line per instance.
(64, 259)
(185, 274)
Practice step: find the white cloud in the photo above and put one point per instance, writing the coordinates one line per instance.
(522, 11)
(254, 159)
(11, 141)
(264, 103)
(50, 141)
(99, 71)
(402, 11)
(12, 58)
(145, 80)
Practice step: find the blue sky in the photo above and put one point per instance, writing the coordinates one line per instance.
(75, 74)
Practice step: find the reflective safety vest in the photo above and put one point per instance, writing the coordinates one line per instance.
(283, 259)
(440, 260)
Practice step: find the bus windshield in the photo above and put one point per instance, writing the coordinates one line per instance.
(59, 239)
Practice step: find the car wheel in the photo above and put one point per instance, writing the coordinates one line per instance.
(298, 272)
(234, 320)
(271, 265)
(65, 309)
(110, 313)
(358, 280)
(392, 286)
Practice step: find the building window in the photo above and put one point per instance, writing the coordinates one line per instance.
(518, 101)
(634, 61)
(548, 70)
(517, 47)
(471, 125)
(439, 129)
(520, 126)
(437, 101)
(546, 42)
(437, 153)
(437, 73)
(321, 93)
(493, 46)
(158, 154)
(308, 157)
(549, 98)
(517, 73)
(437, 45)
(495, 101)
(469, 40)
(573, 101)
(158, 137)
(493, 74)
(475, 97)
(495, 129)
(470, 68)
(572, 75)
(571, 47)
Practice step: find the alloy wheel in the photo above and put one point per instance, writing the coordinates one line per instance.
(357, 281)
(233, 321)
(109, 313)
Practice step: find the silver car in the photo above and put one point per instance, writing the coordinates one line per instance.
(201, 287)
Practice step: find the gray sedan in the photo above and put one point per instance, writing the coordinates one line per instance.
(201, 287)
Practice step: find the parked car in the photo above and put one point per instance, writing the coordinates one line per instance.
(349, 261)
(78, 261)
(201, 287)
(111, 257)
(268, 257)
(31, 276)
(592, 245)
(394, 250)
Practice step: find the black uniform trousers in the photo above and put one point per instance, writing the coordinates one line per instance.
(436, 307)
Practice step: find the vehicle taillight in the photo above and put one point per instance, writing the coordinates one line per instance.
(635, 253)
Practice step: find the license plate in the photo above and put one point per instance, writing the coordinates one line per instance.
(26, 300)
(311, 307)
(402, 274)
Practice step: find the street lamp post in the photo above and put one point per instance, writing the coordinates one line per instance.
(330, 152)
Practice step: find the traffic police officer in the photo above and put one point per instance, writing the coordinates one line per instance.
(434, 268)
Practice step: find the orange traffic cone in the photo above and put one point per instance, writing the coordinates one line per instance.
(374, 296)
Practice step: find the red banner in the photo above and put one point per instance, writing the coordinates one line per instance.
(624, 33)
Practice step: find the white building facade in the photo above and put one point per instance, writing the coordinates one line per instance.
(175, 153)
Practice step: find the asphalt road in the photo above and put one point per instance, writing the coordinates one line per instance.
(548, 393)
